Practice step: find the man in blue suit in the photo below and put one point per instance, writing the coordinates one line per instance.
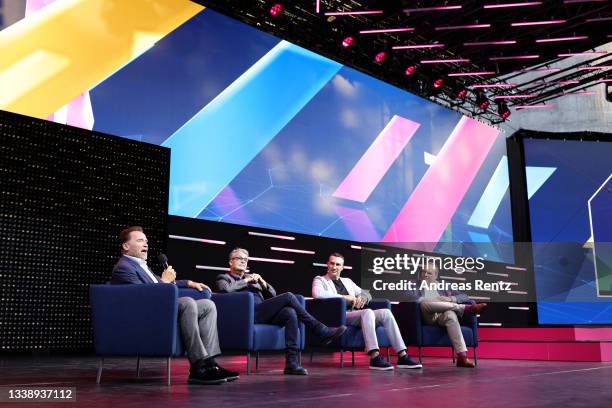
(197, 318)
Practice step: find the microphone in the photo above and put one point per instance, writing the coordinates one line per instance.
(163, 260)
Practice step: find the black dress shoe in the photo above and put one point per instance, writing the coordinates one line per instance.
(299, 370)
(336, 333)
(206, 376)
(228, 375)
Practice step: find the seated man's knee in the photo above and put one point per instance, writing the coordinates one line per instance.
(289, 313)
(288, 296)
(449, 315)
(188, 305)
(368, 314)
(206, 304)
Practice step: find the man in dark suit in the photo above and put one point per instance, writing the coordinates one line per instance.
(444, 308)
(197, 318)
(283, 310)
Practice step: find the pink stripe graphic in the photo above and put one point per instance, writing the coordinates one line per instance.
(358, 223)
(377, 160)
(435, 199)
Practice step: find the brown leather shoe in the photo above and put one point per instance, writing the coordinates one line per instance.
(478, 308)
(465, 362)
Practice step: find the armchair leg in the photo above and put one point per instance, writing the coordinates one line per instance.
(256, 360)
(341, 358)
(248, 356)
(420, 356)
(352, 358)
(99, 375)
(453, 354)
(138, 366)
(168, 363)
(300, 357)
(311, 356)
(475, 357)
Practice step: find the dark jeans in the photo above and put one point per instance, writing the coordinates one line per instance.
(285, 310)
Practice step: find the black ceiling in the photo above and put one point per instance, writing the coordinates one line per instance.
(553, 27)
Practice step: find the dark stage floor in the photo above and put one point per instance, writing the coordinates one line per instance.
(495, 383)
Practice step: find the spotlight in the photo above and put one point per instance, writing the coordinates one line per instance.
(437, 84)
(410, 70)
(482, 101)
(347, 42)
(502, 109)
(380, 57)
(276, 10)
(462, 94)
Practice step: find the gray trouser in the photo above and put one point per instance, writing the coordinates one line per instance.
(446, 314)
(198, 321)
(368, 319)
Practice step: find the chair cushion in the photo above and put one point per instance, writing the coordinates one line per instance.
(437, 336)
(269, 337)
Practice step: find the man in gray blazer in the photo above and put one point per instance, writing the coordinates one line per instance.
(445, 308)
(283, 310)
(332, 285)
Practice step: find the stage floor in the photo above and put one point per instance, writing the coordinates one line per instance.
(494, 383)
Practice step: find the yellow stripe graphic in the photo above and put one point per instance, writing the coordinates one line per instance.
(69, 46)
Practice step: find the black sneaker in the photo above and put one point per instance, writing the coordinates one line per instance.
(333, 334)
(379, 363)
(406, 362)
(299, 370)
(207, 376)
(228, 375)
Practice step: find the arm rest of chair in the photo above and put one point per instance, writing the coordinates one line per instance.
(134, 319)
(330, 311)
(409, 321)
(194, 293)
(235, 319)
(379, 304)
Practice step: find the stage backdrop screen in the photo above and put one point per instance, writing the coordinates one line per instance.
(265, 133)
(570, 204)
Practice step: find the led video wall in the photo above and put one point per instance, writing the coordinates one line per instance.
(265, 133)
(570, 203)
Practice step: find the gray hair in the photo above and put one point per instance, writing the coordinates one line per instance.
(235, 250)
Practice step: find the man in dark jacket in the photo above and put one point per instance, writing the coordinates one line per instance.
(283, 310)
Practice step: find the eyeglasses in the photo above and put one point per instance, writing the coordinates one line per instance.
(239, 258)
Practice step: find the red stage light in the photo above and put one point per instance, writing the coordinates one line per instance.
(410, 70)
(462, 94)
(276, 10)
(380, 57)
(482, 101)
(438, 83)
(348, 41)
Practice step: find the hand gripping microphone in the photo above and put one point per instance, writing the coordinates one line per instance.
(163, 260)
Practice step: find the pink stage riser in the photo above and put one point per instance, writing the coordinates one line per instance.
(546, 344)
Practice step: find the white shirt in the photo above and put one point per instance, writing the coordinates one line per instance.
(143, 264)
(430, 294)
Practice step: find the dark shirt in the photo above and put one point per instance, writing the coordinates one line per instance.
(340, 288)
(254, 289)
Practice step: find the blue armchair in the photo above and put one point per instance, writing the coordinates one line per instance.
(332, 312)
(137, 320)
(238, 331)
(417, 333)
